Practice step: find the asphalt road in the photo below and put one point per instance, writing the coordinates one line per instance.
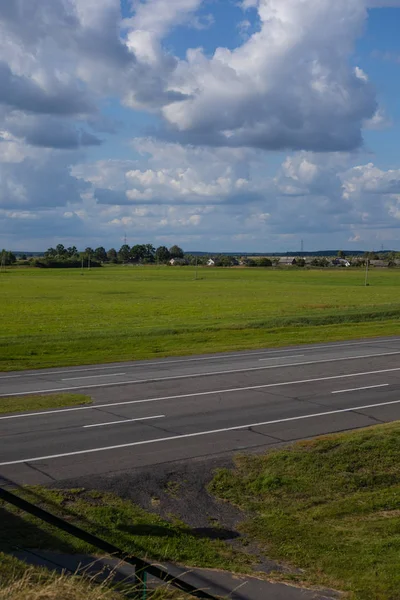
(152, 412)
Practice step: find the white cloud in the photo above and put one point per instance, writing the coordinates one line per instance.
(229, 195)
(379, 121)
(371, 180)
(383, 3)
(158, 16)
(313, 197)
(288, 86)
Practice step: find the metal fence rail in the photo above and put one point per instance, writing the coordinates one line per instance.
(142, 567)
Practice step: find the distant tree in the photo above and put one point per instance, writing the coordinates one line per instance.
(148, 253)
(138, 252)
(89, 252)
(223, 261)
(162, 254)
(23, 257)
(124, 253)
(61, 251)
(320, 262)
(196, 259)
(112, 255)
(7, 257)
(176, 252)
(300, 262)
(72, 252)
(341, 254)
(265, 262)
(100, 254)
(50, 253)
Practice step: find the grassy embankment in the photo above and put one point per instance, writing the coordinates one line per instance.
(61, 317)
(330, 506)
(18, 404)
(126, 525)
(19, 582)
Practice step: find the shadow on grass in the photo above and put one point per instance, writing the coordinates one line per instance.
(18, 533)
(211, 533)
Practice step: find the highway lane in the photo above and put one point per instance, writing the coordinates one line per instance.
(173, 409)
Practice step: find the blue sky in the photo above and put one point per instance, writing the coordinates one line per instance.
(220, 125)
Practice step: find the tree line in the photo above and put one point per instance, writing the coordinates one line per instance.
(62, 256)
(139, 253)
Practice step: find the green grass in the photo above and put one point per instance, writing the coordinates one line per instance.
(330, 506)
(119, 521)
(16, 404)
(61, 317)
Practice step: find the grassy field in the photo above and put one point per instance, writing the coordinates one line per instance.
(62, 317)
(17, 404)
(330, 506)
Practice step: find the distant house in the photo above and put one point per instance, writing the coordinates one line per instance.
(178, 262)
(378, 263)
(210, 263)
(287, 260)
(341, 262)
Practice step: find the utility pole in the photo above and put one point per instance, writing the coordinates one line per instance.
(366, 272)
(89, 261)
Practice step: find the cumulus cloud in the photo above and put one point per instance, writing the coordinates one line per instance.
(158, 16)
(170, 173)
(232, 194)
(227, 196)
(288, 86)
(33, 181)
(371, 180)
(56, 61)
(22, 93)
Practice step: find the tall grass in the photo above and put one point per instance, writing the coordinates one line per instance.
(21, 582)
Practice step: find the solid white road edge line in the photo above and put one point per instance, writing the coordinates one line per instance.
(192, 375)
(368, 387)
(192, 435)
(223, 356)
(196, 394)
(124, 421)
(115, 374)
